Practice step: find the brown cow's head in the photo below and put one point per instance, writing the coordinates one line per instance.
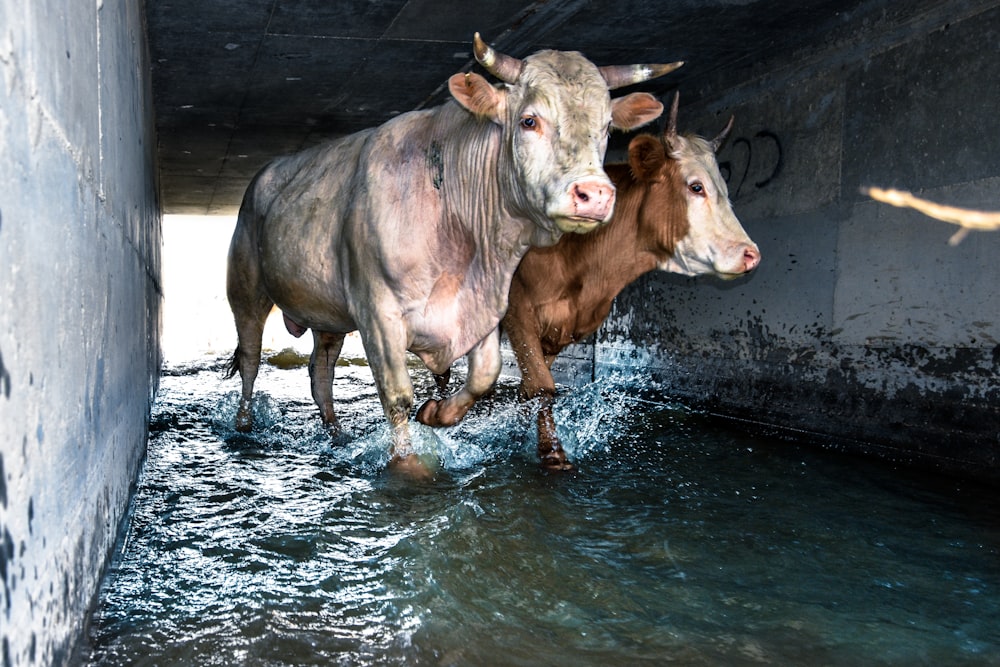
(555, 113)
(682, 171)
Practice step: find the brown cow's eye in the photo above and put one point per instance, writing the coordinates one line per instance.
(697, 188)
(529, 123)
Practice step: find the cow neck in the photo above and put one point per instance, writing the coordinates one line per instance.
(617, 253)
(477, 199)
(663, 220)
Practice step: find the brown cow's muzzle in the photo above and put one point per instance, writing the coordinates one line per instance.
(744, 259)
(751, 258)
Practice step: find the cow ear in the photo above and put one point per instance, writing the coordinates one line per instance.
(635, 110)
(477, 95)
(646, 157)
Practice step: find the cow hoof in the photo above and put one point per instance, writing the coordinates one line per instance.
(556, 464)
(244, 422)
(428, 413)
(333, 429)
(411, 467)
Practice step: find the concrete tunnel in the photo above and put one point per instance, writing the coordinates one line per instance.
(863, 329)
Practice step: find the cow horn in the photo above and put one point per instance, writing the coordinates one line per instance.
(617, 76)
(504, 67)
(671, 132)
(722, 135)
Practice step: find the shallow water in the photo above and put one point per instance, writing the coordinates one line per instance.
(677, 541)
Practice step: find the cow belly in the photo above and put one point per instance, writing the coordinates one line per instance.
(329, 321)
(439, 346)
(309, 310)
(309, 296)
(440, 341)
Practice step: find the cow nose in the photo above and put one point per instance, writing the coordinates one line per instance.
(593, 199)
(751, 258)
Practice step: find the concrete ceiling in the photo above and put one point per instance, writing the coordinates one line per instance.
(236, 82)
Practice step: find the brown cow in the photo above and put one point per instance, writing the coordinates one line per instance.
(410, 232)
(673, 214)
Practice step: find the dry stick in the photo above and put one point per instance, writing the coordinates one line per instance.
(965, 218)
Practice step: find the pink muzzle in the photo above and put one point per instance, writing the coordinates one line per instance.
(593, 199)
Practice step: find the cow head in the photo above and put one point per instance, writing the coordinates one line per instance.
(555, 113)
(682, 171)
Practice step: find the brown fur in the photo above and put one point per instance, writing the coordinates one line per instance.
(563, 293)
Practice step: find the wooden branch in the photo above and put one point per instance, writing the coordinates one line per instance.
(963, 217)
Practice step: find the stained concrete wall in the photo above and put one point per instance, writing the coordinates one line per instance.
(79, 306)
(862, 328)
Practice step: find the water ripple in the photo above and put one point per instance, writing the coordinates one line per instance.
(676, 541)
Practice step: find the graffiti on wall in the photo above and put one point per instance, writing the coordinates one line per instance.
(751, 162)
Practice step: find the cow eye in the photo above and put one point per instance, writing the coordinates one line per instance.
(529, 122)
(697, 188)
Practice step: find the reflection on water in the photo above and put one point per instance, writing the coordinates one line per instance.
(676, 542)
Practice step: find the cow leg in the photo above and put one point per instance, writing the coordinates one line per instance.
(537, 383)
(322, 362)
(385, 348)
(484, 368)
(250, 306)
(250, 331)
(550, 450)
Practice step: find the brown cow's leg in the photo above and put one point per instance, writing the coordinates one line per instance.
(322, 364)
(550, 449)
(537, 382)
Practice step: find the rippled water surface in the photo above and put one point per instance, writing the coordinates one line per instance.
(676, 542)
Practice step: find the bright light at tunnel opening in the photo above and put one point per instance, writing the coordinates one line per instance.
(197, 321)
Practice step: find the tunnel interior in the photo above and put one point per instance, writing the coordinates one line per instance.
(237, 83)
(862, 329)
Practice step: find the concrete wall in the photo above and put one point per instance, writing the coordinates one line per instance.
(79, 306)
(862, 328)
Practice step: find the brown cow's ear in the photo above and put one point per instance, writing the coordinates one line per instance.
(477, 95)
(635, 110)
(646, 157)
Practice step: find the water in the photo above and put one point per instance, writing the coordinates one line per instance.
(676, 542)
